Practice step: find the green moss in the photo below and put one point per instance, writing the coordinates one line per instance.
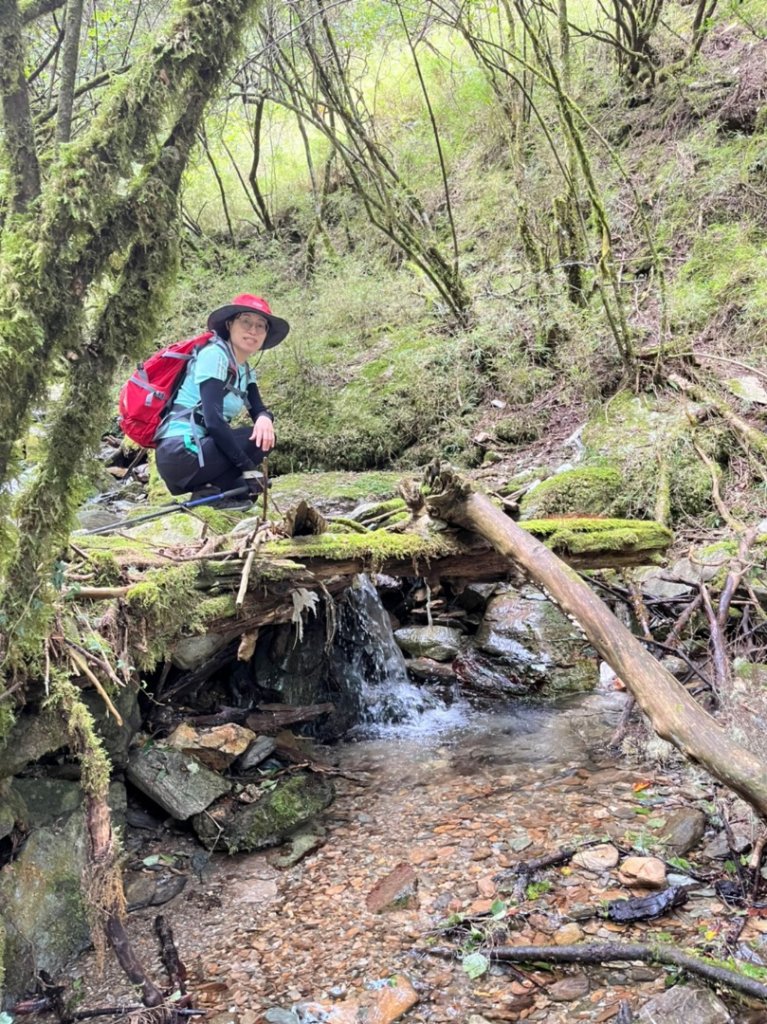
(583, 536)
(220, 607)
(163, 606)
(348, 487)
(106, 570)
(340, 524)
(373, 547)
(591, 490)
(651, 442)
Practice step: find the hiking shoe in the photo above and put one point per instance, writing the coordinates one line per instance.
(208, 491)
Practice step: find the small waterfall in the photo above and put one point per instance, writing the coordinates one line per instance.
(369, 669)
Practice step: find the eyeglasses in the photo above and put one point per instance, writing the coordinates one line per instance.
(251, 323)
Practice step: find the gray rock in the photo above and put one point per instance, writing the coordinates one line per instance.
(13, 810)
(174, 780)
(243, 827)
(526, 631)
(47, 800)
(192, 651)
(258, 751)
(441, 643)
(95, 518)
(651, 581)
(277, 1016)
(685, 1003)
(700, 570)
(475, 596)
(719, 848)
(683, 830)
(300, 844)
(43, 909)
(31, 738)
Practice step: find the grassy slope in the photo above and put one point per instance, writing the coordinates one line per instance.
(372, 376)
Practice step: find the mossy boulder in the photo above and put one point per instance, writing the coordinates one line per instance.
(43, 906)
(586, 491)
(652, 444)
(270, 816)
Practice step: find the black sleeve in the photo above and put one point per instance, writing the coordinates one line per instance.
(256, 405)
(212, 398)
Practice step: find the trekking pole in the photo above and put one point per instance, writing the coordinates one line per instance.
(177, 506)
(265, 467)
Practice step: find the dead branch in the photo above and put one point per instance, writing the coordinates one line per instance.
(604, 952)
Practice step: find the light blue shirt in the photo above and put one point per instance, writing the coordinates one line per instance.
(209, 363)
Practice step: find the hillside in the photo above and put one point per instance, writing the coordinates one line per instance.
(376, 372)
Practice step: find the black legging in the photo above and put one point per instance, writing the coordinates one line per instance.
(181, 470)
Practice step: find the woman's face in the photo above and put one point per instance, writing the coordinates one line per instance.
(247, 333)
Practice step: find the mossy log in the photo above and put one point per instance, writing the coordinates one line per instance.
(160, 595)
(673, 712)
(329, 560)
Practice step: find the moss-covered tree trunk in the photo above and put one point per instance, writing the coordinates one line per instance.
(104, 222)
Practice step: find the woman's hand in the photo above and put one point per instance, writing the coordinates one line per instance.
(263, 433)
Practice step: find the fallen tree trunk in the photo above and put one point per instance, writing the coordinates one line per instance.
(674, 714)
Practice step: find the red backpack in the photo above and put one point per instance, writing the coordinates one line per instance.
(149, 392)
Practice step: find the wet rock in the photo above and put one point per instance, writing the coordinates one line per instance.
(179, 783)
(367, 667)
(526, 631)
(43, 907)
(243, 827)
(683, 830)
(685, 1003)
(569, 989)
(295, 671)
(192, 651)
(427, 668)
(440, 643)
(95, 518)
(215, 747)
(258, 751)
(478, 675)
(597, 858)
(643, 872)
(395, 892)
(13, 810)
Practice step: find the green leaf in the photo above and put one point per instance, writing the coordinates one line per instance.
(475, 964)
(499, 910)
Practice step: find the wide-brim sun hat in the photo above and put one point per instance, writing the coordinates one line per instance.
(278, 328)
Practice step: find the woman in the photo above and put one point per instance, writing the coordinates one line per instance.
(197, 449)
